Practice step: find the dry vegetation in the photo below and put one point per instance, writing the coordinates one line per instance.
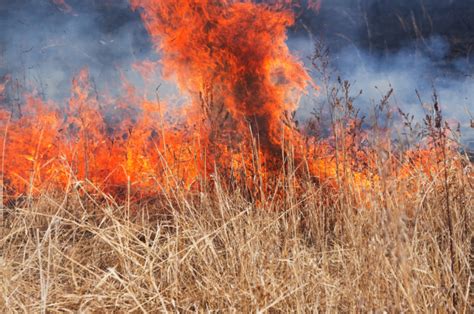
(406, 248)
(300, 244)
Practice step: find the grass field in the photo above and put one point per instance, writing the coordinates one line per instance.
(388, 229)
(100, 212)
(404, 245)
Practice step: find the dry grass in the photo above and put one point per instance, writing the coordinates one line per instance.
(219, 251)
(398, 245)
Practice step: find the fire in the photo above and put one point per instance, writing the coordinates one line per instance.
(111, 144)
(231, 60)
(230, 57)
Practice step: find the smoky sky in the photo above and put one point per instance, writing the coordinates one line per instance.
(383, 26)
(40, 43)
(406, 44)
(412, 46)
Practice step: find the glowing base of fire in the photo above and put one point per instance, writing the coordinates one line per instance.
(48, 147)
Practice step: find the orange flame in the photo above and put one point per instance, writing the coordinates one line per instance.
(230, 59)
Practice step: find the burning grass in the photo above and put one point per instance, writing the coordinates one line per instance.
(357, 223)
(219, 250)
(113, 204)
(388, 227)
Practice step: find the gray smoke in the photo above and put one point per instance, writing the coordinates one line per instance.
(410, 73)
(43, 46)
(406, 45)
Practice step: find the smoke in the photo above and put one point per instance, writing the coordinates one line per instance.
(410, 46)
(44, 43)
(410, 73)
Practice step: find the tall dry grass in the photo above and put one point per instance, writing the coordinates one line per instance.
(402, 244)
(217, 250)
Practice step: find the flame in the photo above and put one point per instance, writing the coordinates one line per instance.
(230, 57)
(231, 61)
(146, 68)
